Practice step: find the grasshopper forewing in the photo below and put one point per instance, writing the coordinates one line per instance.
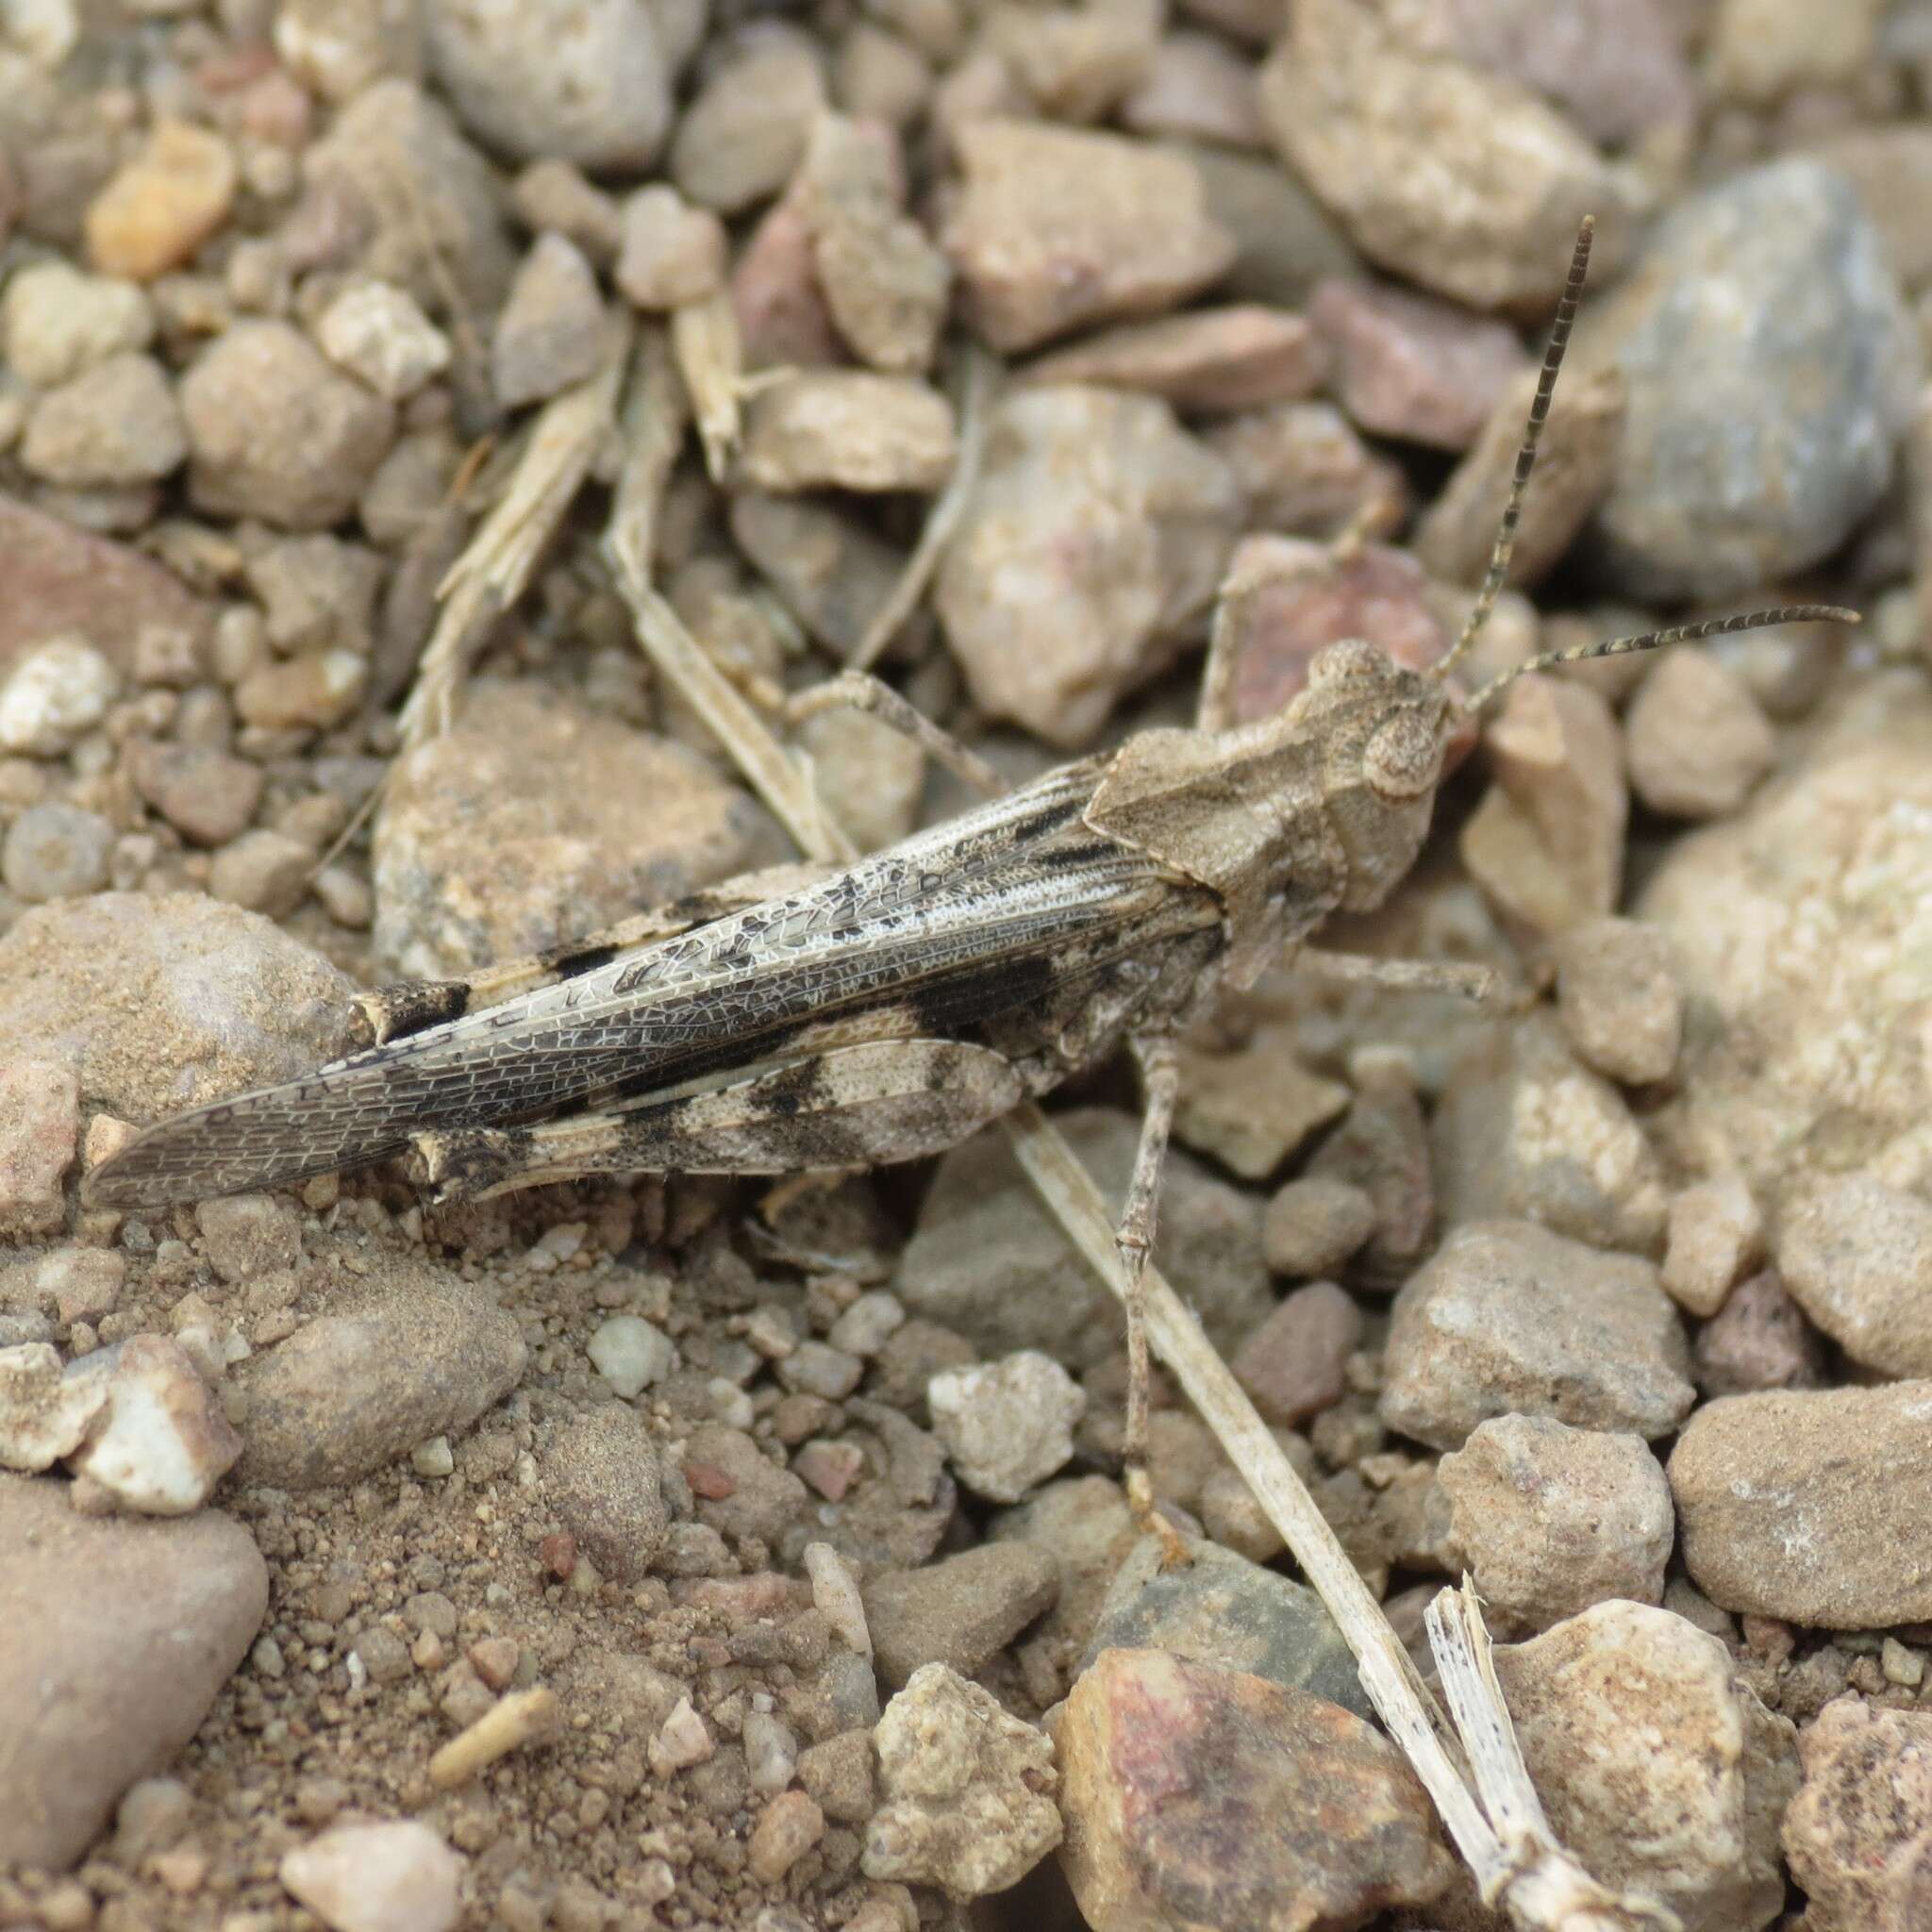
(889, 1010)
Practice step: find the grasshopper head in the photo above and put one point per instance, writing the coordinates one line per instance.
(1384, 734)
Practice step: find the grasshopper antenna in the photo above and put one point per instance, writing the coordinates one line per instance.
(1525, 457)
(1657, 640)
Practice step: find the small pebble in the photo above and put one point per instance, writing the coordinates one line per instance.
(1315, 1225)
(248, 1235)
(866, 1326)
(1130, 233)
(816, 1368)
(1553, 1520)
(57, 321)
(163, 204)
(1696, 742)
(1862, 1862)
(56, 852)
(115, 424)
(966, 1791)
(376, 331)
(1715, 1235)
(1857, 1257)
(848, 430)
(263, 871)
(1618, 999)
(603, 1479)
(1758, 1339)
(40, 1129)
(682, 1740)
(1006, 1425)
(958, 1611)
(550, 333)
(1412, 367)
(1805, 1505)
(53, 694)
(631, 1354)
(392, 1876)
(161, 1442)
(786, 1829)
(208, 795)
(672, 253)
(1209, 359)
(1508, 1317)
(839, 1774)
(835, 1594)
(1294, 1364)
(739, 139)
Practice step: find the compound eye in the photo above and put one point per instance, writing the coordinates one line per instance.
(1346, 657)
(1402, 759)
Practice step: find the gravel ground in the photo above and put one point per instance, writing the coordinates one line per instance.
(695, 1553)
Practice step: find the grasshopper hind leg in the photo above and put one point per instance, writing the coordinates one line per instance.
(1133, 1237)
(850, 1107)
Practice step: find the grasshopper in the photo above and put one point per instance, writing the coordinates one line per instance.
(887, 1010)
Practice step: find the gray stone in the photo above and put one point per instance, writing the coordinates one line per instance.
(551, 331)
(1512, 1319)
(1747, 455)
(1857, 1257)
(115, 424)
(56, 852)
(1221, 1610)
(350, 1392)
(590, 82)
(988, 1261)
(121, 1635)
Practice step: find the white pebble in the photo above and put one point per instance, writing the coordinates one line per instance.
(44, 1415)
(395, 1876)
(377, 332)
(432, 1459)
(164, 1443)
(631, 1354)
(56, 694)
(1006, 1425)
(770, 1752)
(834, 1596)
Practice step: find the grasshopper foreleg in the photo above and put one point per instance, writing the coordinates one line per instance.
(1482, 984)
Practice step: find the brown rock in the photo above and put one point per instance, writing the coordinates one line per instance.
(1412, 367)
(1209, 359)
(1074, 63)
(1253, 1107)
(738, 141)
(1758, 1339)
(848, 430)
(1166, 1765)
(122, 1634)
(40, 1131)
(1805, 1505)
(672, 253)
(1575, 459)
(1128, 233)
(1382, 1148)
(208, 796)
(1315, 1225)
(276, 431)
(1294, 1364)
(1859, 1834)
(1305, 472)
(1457, 178)
(1716, 1232)
(829, 570)
(1695, 740)
(349, 1392)
(165, 203)
(1510, 1319)
(532, 821)
(601, 1475)
(1091, 546)
(1857, 1257)
(550, 333)
(782, 315)
(1655, 1762)
(958, 1611)
(1546, 845)
(60, 578)
(1552, 1520)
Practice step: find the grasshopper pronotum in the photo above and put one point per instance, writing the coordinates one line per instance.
(889, 1009)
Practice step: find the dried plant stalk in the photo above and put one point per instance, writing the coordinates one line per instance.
(1546, 1892)
(977, 386)
(1536, 1882)
(654, 417)
(710, 356)
(495, 568)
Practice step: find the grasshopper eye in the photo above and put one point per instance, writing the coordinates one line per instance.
(1402, 759)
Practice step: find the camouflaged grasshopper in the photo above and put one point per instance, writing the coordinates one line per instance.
(887, 1010)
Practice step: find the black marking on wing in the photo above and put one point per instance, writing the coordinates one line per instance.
(568, 964)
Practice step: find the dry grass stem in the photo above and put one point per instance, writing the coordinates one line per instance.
(496, 568)
(710, 357)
